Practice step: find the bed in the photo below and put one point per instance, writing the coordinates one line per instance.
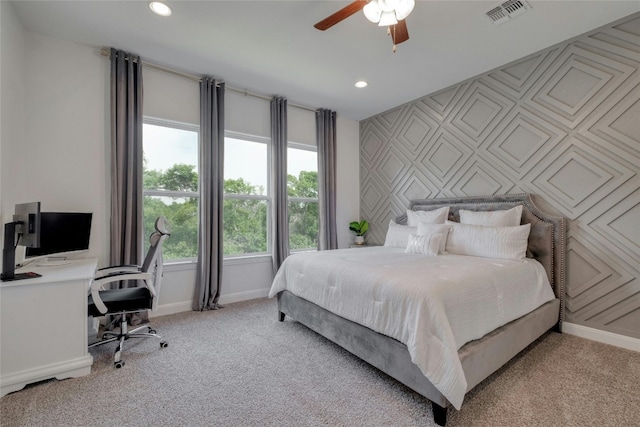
(441, 366)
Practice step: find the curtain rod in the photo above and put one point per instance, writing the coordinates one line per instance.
(106, 52)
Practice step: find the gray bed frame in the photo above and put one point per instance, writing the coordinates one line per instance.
(479, 358)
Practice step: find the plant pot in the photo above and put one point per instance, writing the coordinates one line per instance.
(359, 240)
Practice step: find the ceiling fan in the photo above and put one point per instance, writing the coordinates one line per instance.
(386, 13)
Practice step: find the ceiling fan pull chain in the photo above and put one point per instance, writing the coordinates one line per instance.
(393, 38)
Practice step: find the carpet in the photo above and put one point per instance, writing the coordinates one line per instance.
(239, 366)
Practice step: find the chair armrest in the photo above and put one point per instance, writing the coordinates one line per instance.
(101, 272)
(95, 294)
(98, 284)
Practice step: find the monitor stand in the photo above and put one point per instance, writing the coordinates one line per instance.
(9, 256)
(53, 262)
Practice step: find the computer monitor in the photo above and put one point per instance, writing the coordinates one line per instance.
(23, 230)
(62, 235)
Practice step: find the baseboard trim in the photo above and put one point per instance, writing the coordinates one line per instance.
(179, 307)
(72, 368)
(243, 296)
(176, 307)
(601, 336)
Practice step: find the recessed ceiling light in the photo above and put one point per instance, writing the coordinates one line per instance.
(160, 8)
(361, 84)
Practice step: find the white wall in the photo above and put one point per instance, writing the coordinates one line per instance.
(53, 126)
(348, 178)
(55, 147)
(12, 48)
(65, 160)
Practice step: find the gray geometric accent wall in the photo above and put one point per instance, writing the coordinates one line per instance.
(563, 124)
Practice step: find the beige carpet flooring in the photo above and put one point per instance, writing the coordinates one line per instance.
(239, 366)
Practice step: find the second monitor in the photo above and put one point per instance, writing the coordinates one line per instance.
(62, 234)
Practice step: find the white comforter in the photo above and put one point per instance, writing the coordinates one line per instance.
(433, 305)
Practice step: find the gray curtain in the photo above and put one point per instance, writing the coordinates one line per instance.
(127, 220)
(280, 215)
(210, 249)
(127, 223)
(326, 140)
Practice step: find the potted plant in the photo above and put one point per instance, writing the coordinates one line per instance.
(359, 228)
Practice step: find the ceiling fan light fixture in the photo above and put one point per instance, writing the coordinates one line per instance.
(160, 8)
(372, 11)
(388, 12)
(387, 18)
(385, 13)
(388, 5)
(404, 8)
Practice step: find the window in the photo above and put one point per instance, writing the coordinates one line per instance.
(246, 195)
(170, 184)
(302, 188)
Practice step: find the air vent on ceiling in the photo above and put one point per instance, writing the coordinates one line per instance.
(507, 10)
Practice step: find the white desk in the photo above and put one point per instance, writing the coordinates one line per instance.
(43, 325)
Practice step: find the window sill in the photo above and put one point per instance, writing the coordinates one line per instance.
(302, 251)
(184, 265)
(179, 265)
(248, 259)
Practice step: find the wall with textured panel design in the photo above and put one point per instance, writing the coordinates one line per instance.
(563, 124)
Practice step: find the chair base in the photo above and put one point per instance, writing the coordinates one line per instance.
(124, 335)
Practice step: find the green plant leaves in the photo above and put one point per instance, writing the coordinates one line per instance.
(359, 227)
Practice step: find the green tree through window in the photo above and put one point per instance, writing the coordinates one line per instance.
(170, 184)
(303, 210)
(181, 211)
(170, 189)
(245, 220)
(302, 192)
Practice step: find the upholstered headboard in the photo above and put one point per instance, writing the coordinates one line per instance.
(546, 239)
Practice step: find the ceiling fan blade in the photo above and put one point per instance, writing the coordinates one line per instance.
(399, 32)
(340, 15)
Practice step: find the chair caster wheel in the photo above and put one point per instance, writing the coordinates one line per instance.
(119, 364)
(152, 331)
(164, 344)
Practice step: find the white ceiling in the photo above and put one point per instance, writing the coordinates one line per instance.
(271, 47)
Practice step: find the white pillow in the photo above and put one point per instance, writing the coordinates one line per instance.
(502, 218)
(436, 216)
(398, 235)
(426, 245)
(425, 229)
(488, 242)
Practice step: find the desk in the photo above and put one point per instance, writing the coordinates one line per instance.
(43, 325)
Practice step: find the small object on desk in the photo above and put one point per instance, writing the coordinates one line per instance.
(359, 245)
(20, 276)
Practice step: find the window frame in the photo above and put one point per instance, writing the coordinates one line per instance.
(266, 197)
(156, 121)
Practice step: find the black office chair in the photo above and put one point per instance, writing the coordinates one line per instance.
(130, 300)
